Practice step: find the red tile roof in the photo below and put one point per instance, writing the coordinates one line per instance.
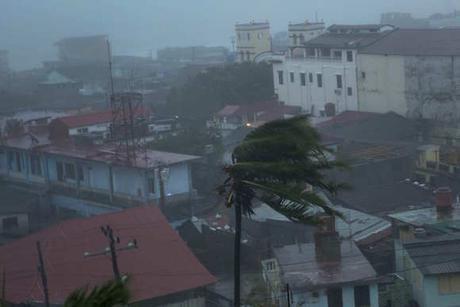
(346, 117)
(74, 121)
(94, 118)
(161, 265)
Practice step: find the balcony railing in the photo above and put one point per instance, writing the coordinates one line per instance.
(315, 58)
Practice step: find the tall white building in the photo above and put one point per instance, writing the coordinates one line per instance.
(252, 39)
(320, 74)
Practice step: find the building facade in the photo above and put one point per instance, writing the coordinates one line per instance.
(252, 39)
(320, 75)
(94, 179)
(413, 72)
(328, 272)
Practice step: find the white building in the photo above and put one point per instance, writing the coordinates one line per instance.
(413, 72)
(252, 39)
(320, 75)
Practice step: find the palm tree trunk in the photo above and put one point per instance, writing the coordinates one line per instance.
(237, 256)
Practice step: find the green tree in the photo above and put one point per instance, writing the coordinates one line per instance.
(110, 294)
(276, 163)
(209, 91)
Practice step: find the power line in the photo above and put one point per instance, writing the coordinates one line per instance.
(112, 250)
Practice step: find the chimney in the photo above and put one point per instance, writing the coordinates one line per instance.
(327, 241)
(443, 199)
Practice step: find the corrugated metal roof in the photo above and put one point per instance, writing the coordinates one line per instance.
(347, 41)
(301, 269)
(439, 255)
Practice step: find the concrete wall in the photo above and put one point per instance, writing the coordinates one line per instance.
(413, 86)
(99, 128)
(311, 98)
(129, 181)
(382, 87)
(259, 41)
(432, 297)
(23, 224)
(433, 87)
(348, 297)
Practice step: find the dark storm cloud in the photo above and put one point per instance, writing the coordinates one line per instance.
(28, 28)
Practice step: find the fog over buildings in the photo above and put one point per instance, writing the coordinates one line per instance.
(29, 28)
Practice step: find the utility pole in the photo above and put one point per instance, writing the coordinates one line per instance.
(42, 271)
(112, 249)
(3, 302)
(163, 174)
(288, 292)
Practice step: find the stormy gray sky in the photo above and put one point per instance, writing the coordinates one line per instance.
(28, 28)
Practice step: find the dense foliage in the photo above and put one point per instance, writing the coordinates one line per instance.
(210, 90)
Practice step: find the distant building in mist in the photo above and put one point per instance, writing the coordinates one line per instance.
(4, 61)
(252, 39)
(407, 21)
(4, 69)
(83, 50)
(193, 55)
(403, 20)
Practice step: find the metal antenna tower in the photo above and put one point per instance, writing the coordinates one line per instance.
(128, 121)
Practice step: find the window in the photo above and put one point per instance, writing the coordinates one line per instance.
(362, 297)
(325, 52)
(14, 161)
(449, 283)
(280, 77)
(10, 223)
(249, 36)
(151, 183)
(10, 157)
(18, 161)
(35, 165)
(291, 77)
(334, 297)
(82, 130)
(303, 78)
(70, 171)
(350, 56)
(60, 171)
(239, 36)
(81, 175)
(310, 77)
(294, 38)
(319, 80)
(338, 54)
(339, 81)
(363, 75)
(350, 91)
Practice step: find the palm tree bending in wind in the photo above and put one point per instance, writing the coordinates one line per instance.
(275, 164)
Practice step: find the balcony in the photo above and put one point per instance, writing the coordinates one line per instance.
(314, 59)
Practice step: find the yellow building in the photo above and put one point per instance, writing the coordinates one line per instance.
(252, 39)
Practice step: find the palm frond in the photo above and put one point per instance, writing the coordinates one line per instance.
(111, 293)
(293, 202)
